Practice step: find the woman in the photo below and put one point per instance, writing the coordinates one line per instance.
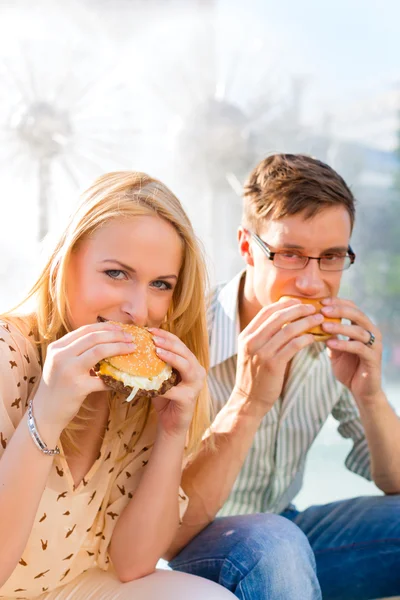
(95, 518)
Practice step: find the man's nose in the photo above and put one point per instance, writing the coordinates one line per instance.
(309, 280)
(136, 309)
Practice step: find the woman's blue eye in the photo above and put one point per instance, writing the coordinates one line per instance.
(115, 274)
(161, 285)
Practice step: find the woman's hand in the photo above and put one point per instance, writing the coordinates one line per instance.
(356, 362)
(67, 379)
(175, 408)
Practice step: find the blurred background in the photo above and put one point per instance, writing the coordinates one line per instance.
(196, 92)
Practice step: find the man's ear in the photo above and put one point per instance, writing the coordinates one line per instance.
(245, 249)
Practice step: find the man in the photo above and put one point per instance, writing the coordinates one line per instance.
(274, 388)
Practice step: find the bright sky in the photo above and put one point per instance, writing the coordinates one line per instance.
(348, 48)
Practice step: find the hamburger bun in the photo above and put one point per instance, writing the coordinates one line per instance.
(141, 373)
(319, 334)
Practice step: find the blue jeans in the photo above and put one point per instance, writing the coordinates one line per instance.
(256, 557)
(356, 545)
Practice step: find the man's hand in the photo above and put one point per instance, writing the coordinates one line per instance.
(266, 346)
(355, 363)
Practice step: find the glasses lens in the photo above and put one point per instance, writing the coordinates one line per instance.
(284, 260)
(335, 262)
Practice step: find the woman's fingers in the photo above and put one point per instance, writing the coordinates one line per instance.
(182, 365)
(169, 341)
(174, 352)
(101, 351)
(92, 339)
(79, 333)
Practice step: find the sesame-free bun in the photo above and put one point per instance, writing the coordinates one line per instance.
(319, 334)
(141, 373)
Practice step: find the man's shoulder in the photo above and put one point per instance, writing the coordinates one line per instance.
(214, 293)
(212, 303)
(225, 293)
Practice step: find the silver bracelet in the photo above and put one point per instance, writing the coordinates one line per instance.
(35, 434)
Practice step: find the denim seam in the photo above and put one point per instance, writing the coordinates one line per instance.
(358, 545)
(197, 561)
(201, 561)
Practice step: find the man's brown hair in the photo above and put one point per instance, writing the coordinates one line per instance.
(287, 184)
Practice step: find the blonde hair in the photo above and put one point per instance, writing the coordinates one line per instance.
(116, 195)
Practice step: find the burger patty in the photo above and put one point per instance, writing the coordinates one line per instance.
(118, 386)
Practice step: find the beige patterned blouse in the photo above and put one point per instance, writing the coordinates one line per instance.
(73, 527)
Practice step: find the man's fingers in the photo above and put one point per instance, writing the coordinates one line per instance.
(280, 330)
(266, 312)
(347, 310)
(353, 347)
(353, 332)
(335, 300)
(287, 352)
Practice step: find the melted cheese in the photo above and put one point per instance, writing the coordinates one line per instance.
(141, 383)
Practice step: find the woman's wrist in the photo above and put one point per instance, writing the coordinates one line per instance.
(173, 440)
(48, 429)
(36, 437)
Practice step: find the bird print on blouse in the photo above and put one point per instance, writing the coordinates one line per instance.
(73, 527)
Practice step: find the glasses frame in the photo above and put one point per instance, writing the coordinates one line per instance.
(270, 254)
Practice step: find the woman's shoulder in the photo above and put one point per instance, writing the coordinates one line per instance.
(19, 367)
(17, 335)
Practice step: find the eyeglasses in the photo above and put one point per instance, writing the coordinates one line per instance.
(291, 260)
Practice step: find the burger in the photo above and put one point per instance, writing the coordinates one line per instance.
(141, 374)
(319, 334)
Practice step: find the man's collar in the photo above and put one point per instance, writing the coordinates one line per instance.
(226, 324)
(226, 327)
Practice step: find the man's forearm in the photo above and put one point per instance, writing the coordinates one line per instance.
(382, 430)
(209, 478)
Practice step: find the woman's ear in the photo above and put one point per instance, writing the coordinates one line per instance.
(245, 249)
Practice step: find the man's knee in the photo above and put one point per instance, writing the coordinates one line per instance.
(248, 539)
(254, 556)
(273, 559)
(272, 540)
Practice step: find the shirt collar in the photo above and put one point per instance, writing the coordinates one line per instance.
(226, 326)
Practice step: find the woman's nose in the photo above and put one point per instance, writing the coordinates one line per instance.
(137, 310)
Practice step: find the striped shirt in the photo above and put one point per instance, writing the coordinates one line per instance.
(272, 473)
